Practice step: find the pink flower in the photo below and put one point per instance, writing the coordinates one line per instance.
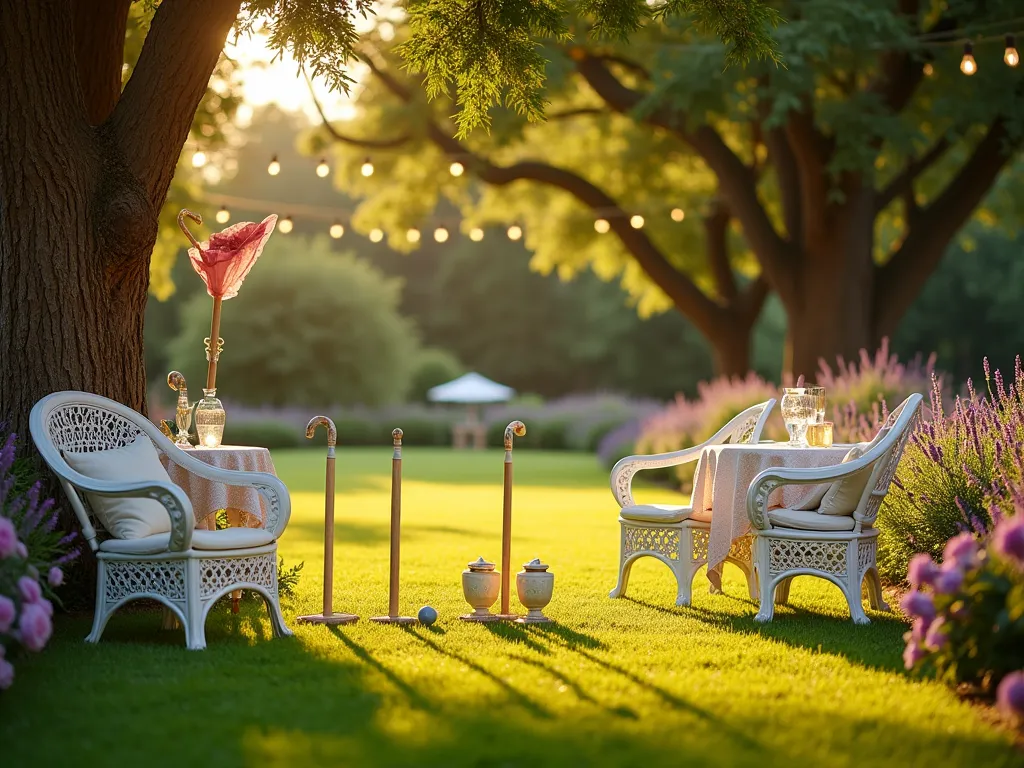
(918, 604)
(1010, 694)
(912, 654)
(935, 638)
(7, 613)
(1008, 539)
(55, 577)
(949, 580)
(8, 537)
(6, 673)
(35, 627)
(29, 589)
(226, 258)
(961, 549)
(46, 605)
(922, 570)
(22, 550)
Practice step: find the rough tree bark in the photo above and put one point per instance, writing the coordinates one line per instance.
(83, 172)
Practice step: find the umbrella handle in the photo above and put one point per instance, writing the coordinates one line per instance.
(516, 428)
(181, 224)
(332, 432)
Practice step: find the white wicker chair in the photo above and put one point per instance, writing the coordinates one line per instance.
(676, 535)
(842, 549)
(186, 570)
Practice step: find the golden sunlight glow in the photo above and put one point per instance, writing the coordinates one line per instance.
(441, 234)
(928, 69)
(286, 225)
(376, 235)
(275, 167)
(337, 230)
(678, 214)
(637, 221)
(601, 226)
(515, 232)
(412, 235)
(476, 234)
(323, 168)
(198, 159)
(223, 215)
(367, 168)
(456, 169)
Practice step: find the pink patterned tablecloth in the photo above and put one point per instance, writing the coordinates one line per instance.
(244, 504)
(723, 477)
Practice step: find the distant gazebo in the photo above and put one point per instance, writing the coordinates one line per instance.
(471, 390)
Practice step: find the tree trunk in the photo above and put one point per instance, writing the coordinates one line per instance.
(730, 348)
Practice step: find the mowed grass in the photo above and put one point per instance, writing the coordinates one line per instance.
(629, 682)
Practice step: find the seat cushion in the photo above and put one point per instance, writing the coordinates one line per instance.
(656, 513)
(843, 495)
(125, 517)
(228, 538)
(805, 520)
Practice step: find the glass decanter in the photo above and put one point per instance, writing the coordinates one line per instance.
(210, 418)
(798, 410)
(183, 419)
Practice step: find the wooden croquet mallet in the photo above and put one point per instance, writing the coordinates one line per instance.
(328, 616)
(396, 537)
(518, 429)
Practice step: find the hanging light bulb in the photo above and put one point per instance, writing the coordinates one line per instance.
(440, 234)
(198, 159)
(223, 215)
(601, 226)
(412, 235)
(928, 69)
(337, 230)
(323, 168)
(275, 167)
(367, 168)
(456, 168)
(286, 225)
(376, 235)
(476, 234)
(678, 214)
(636, 221)
(967, 64)
(1010, 56)
(515, 232)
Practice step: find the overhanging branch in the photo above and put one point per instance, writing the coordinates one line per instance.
(904, 181)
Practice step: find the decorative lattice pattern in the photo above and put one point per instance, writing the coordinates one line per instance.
(866, 551)
(744, 431)
(699, 553)
(663, 541)
(787, 554)
(162, 577)
(86, 428)
(741, 549)
(217, 573)
(891, 460)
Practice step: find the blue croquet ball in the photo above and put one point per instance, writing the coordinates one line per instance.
(427, 615)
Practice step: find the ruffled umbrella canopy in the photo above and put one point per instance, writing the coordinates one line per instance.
(223, 262)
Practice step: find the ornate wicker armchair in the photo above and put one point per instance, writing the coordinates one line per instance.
(840, 548)
(676, 535)
(187, 570)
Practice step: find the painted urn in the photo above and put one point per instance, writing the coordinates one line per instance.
(534, 584)
(480, 585)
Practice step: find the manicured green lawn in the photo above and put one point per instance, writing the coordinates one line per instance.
(632, 682)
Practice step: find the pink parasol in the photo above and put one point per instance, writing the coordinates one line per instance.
(223, 262)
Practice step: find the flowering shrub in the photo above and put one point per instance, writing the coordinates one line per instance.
(968, 613)
(32, 553)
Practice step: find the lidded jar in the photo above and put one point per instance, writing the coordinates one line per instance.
(535, 585)
(210, 419)
(480, 585)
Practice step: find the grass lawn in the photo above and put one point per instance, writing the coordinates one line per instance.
(631, 682)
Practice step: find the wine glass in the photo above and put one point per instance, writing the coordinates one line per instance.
(818, 393)
(797, 410)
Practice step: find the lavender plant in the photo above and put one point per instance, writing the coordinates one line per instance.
(32, 556)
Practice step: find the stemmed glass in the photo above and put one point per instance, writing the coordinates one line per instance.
(818, 393)
(798, 410)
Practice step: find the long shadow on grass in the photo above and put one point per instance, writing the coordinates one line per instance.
(578, 689)
(416, 698)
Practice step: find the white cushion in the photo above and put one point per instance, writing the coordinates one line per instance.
(125, 517)
(228, 538)
(656, 513)
(843, 495)
(805, 520)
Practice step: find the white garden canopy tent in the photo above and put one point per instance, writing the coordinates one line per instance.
(470, 389)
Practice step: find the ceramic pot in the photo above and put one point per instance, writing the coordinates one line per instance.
(480, 585)
(535, 584)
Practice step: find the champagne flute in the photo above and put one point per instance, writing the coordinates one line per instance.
(818, 393)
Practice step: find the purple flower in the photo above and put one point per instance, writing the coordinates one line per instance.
(7, 613)
(8, 538)
(55, 577)
(912, 654)
(935, 638)
(29, 589)
(949, 580)
(919, 605)
(1010, 694)
(961, 549)
(1008, 539)
(22, 550)
(34, 627)
(922, 570)
(46, 605)
(6, 673)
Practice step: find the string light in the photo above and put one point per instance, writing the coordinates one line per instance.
(440, 234)
(636, 221)
(678, 214)
(928, 69)
(1010, 56)
(376, 235)
(275, 167)
(456, 168)
(323, 168)
(967, 64)
(601, 226)
(514, 232)
(337, 230)
(412, 235)
(367, 168)
(476, 234)
(286, 225)
(198, 159)
(223, 215)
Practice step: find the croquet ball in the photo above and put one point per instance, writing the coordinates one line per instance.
(427, 615)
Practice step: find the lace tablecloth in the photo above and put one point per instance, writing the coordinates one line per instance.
(244, 504)
(724, 474)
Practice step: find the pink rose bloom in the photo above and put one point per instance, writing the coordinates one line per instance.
(912, 654)
(1008, 539)
(46, 605)
(961, 549)
(7, 612)
(34, 627)
(6, 673)
(918, 604)
(949, 580)
(8, 537)
(1010, 694)
(22, 550)
(922, 570)
(29, 589)
(55, 577)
